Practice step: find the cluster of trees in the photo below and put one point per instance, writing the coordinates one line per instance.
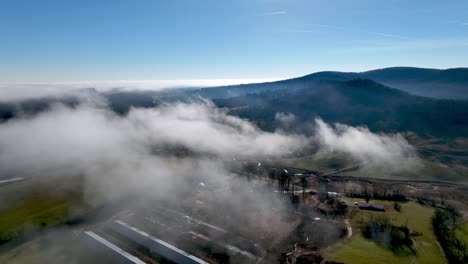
(446, 223)
(383, 231)
(367, 193)
(285, 180)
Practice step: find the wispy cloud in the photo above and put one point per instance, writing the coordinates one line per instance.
(388, 35)
(458, 22)
(383, 34)
(274, 13)
(413, 44)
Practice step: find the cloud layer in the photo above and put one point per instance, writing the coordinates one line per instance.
(172, 143)
(13, 92)
(390, 152)
(135, 148)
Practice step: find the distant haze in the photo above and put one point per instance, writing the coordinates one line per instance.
(21, 91)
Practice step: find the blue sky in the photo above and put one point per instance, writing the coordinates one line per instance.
(66, 41)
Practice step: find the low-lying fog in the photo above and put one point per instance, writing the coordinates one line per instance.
(134, 154)
(92, 140)
(21, 91)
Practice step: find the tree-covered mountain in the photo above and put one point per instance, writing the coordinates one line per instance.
(445, 84)
(450, 83)
(354, 102)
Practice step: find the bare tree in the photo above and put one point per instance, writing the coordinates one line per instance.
(321, 197)
(284, 180)
(366, 193)
(322, 194)
(272, 174)
(304, 185)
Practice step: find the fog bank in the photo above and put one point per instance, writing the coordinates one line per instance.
(19, 91)
(390, 152)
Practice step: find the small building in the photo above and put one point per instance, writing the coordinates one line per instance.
(334, 194)
(371, 207)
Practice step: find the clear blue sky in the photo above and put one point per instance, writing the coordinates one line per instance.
(80, 40)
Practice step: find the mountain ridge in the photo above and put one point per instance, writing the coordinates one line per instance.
(449, 83)
(357, 102)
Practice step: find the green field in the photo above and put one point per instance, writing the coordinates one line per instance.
(37, 203)
(42, 205)
(35, 212)
(418, 218)
(462, 232)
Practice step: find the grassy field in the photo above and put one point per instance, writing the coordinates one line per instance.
(35, 212)
(42, 204)
(37, 203)
(418, 218)
(462, 233)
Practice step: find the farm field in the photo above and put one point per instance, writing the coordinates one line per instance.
(417, 217)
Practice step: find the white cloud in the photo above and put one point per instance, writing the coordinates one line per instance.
(388, 35)
(141, 154)
(392, 153)
(336, 28)
(274, 13)
(77, 139)
(285, 119)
